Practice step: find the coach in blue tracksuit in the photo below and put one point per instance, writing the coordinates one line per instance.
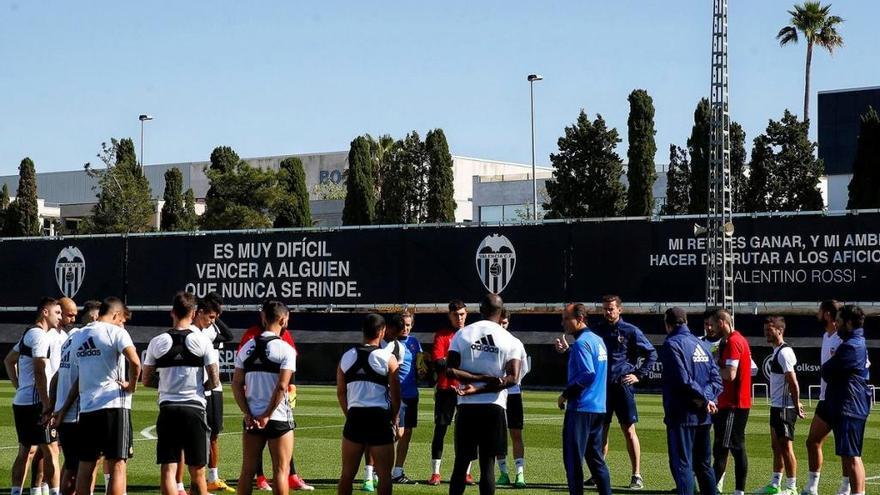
(847, 395)
(691, 384)
(584, 404)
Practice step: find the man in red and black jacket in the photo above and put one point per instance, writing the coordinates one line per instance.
(445, 397)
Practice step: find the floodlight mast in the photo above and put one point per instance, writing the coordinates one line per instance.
(719, 219)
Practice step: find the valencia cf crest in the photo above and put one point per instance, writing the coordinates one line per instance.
(496, 261)
(70, 270)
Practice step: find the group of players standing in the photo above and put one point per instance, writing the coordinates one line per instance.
(69, 381)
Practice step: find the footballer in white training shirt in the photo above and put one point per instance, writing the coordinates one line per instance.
(98, 361)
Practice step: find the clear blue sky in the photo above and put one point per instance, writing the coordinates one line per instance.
(294, 77)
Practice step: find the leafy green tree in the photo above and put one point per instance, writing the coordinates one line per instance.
(360, 197)
(784, 171)
(293, 208)
(586, 172)
(240, 196)
(4, 206)
(173, 212)
(698, 149)
(819, 28)
(441, 188)
(737, 164)
(125, 200)
(190, 220)
(864, 187)
(22, 215)
(641, 170)
(380, 151)
(677, 182)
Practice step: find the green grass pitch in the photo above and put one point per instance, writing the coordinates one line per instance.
(320, 424)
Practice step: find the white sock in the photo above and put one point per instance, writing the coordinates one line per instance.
(858, 494)
(844, 485)
(212, 475)
(502, 465)
(812, 482)
(368, 473)
(520, 465)
(435, 466)
(106, 480)
(790, 482)
(397, 472)
(180, 487)
(45, 488)
(776, 479)
(739, 492)
(36, 490)
(720, 484)
(54, 491)
(469, 468)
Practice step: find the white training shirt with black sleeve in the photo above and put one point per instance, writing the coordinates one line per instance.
(64, 382)
(782, 361)
(485, 347)
(261, 384)
(830, 343)
(210, 334)
(362, 392)
(524, 367)
(181, 371)
(97, 361)
(34, 344)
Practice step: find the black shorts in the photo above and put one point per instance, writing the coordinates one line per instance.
(445, 401)
(409, 413)
(369, 426)
(782, 420)
(106, 432)
(182, 427)
(68, 436)
(823, 413)
(730, 428)
(621, 402)
(28, 425)
(480, 428)
(274, 429)
(849, 434)
(515, 418)
(214, 410)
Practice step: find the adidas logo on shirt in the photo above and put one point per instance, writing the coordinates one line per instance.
(700, 355)
(485, 344)
(88, 348)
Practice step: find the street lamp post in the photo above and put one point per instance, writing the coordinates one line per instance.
(143, 117)
(532, 78)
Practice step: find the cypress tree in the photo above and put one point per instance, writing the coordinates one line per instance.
(677, 182)
(440, 200)
(360, 197)
(125, 201)
(293, 207)
(864, 187)
(586, 172)
(641, 171)
(173, 209)
(22, 219)
(737, 164)
(190, 219)
(4, 206)
(698, 149)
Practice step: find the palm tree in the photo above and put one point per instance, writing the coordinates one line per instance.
(819, 27)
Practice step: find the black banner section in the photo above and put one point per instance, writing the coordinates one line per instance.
(83, 269)
(778, 259)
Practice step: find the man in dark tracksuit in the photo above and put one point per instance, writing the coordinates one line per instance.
(626, 345)
(847, 394)
(691, 384)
